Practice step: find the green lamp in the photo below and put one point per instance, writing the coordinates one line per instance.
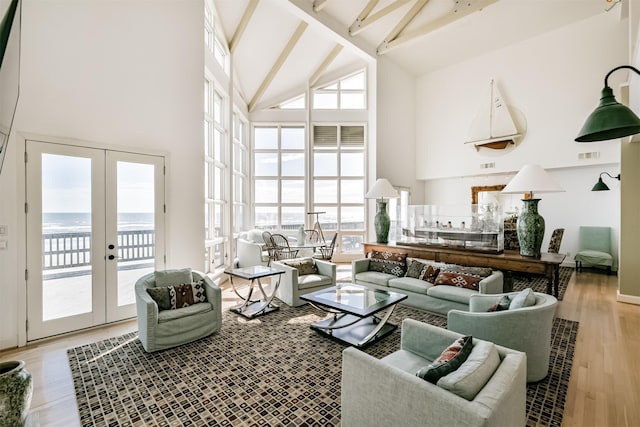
(600, 185)
(382, 190)
(611, 119)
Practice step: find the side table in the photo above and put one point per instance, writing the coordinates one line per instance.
(249, 307)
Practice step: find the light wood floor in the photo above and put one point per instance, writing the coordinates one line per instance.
(604, 389)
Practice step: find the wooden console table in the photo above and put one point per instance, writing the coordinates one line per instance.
(547, 265)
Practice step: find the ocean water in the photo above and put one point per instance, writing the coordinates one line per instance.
(58, 222)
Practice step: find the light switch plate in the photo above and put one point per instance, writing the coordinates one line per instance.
(4, 230)
(3, 245)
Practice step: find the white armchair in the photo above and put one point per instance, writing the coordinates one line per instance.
(249, 253)
(294, 282)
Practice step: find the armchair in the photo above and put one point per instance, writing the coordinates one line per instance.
(162, 329)
(594, 247)
(294, 283)
(526, 329)
(386, 392)
(250, 253)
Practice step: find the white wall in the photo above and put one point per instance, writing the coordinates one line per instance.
(125, 73)
(396, 128)
(553, 79)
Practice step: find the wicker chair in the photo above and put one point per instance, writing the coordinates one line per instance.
(282, 248)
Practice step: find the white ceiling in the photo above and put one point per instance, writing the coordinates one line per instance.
(273, 23)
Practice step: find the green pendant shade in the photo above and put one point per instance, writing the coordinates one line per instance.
(600, 185)
(611, 119)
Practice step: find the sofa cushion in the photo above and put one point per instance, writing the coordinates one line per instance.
(173, 277)
(178, 296)
(451, 293)
(303, 265)
(410, 284)
(377, 278)
(474, 373)
(525, 298)
(388, 262)
(169, 315)
(312, 280)
(460, 280)
(448, 361)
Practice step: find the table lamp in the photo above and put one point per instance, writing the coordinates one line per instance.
(382, 190)
(530, 226)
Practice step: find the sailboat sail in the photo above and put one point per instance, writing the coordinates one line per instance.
(493, 127)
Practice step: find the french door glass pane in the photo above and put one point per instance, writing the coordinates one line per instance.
(352, 218)
(292, 138)
(136, 226)
(266, 191)
(292, 191)
(266, 217)
(66, 234)
(352, 191)
(293, 164)
(325, 164)
(292, 217)
(325, 191)
(266, 138)
(352, 164)
(266, 164)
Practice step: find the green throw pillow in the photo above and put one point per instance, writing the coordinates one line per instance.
(448, 361)
(161, 297)
(414, 269)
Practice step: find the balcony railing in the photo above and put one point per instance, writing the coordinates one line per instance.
(73, 250)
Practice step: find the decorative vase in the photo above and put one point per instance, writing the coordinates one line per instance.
(382, 222)
(302, 236)
(530, 229)
(16, 389)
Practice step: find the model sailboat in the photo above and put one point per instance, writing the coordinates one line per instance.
(493, 127)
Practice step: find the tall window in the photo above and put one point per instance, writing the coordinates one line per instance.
(344, 94)
(240, 174)
(212, 41)
(215, 143)
(279, 177)
(339, 182)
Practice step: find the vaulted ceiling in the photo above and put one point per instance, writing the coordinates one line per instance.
(281, 46)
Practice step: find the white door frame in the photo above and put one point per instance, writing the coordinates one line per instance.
(74, 145)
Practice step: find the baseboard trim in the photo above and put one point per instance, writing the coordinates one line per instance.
(629, 299)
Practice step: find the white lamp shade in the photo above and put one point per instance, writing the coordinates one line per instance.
(382, 189)
(532, 178)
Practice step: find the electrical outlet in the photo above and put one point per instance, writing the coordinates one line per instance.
(4, 230)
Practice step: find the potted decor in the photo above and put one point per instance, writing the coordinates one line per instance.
(16, 389)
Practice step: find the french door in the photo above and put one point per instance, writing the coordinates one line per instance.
(95, 224)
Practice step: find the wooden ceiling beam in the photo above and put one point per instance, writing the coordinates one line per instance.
(363, 20)
(242, 26)
(318, 5)
(325, 64)
(465, 8)
(406, 20)
(278, 64)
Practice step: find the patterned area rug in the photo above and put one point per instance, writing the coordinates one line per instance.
(273, 370)
(539, 283)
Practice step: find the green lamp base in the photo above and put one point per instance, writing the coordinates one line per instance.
(382, 222)
(530, 229)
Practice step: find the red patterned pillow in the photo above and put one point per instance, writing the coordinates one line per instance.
(388, 262)
(448, 361)
(458, 279)
(429, 274)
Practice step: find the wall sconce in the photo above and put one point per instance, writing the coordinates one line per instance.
(600, 185)
(611, 119)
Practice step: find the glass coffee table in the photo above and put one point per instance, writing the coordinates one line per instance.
(355, 310)
(249, 307)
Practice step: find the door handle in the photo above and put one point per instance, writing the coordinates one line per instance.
(112, 257)
(112, 246)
